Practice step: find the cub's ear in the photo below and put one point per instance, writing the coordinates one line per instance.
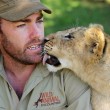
(96, 26)
(95, 40)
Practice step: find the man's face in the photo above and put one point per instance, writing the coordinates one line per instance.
(22, 40)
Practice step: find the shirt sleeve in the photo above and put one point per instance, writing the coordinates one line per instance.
(77, 92)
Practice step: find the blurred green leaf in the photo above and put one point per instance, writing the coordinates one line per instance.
(71, 13)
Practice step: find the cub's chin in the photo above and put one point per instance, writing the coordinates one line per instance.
(52, 63)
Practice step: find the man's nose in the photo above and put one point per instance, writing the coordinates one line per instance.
(35, 31)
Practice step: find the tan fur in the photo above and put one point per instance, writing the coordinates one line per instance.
(87, 54)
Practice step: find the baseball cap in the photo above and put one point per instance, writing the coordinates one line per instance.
(14, 10)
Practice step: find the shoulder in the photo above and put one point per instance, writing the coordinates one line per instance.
(75, 88)
(70, 77)
(73, 83)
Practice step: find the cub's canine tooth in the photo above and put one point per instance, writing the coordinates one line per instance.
(45, 58)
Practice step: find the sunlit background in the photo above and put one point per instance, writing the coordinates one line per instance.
(72, 13)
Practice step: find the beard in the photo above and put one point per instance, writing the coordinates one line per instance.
(19, 55)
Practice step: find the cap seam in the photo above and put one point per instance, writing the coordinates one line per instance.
(7, 4)
(10, 10)
(14, 3)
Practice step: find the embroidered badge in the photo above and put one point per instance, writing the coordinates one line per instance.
(47, 99)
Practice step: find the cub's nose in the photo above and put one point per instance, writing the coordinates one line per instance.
(45, 40)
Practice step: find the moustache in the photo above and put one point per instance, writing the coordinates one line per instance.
(35, 41)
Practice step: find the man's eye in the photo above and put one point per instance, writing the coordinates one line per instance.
(21, 25)
(39, 21)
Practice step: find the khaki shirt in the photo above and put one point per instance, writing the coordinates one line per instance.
(46, 91)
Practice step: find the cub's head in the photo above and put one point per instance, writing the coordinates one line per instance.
(75, 48)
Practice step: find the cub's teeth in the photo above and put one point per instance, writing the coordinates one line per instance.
(45, 58)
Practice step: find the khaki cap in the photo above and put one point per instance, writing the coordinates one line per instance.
(14, 10)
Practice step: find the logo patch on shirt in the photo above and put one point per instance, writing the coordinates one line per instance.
(47, 99)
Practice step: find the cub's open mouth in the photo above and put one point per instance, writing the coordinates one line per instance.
(51, 60)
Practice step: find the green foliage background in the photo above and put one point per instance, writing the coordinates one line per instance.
(72, 13)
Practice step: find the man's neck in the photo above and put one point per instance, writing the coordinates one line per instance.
(17, 68)
(19, 73)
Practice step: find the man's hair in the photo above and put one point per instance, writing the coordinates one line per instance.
(0, 26)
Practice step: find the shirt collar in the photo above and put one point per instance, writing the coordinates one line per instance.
(2, 70)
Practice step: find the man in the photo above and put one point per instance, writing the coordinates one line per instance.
(25, 84)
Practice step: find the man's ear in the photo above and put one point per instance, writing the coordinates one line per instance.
(95, 39)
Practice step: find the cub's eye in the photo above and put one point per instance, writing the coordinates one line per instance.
(69, 36)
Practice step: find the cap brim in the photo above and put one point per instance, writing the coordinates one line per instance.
(16, 14)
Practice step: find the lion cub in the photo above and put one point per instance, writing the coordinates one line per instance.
(86, 51)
